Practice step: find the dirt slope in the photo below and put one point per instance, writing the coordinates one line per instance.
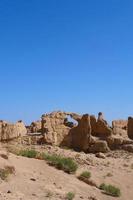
(35, 180)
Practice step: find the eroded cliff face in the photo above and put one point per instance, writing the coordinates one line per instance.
(35, 127)
(57, 130)
(130, 127)
(80, 136)
(80, 132)
(55, 126)
(120, 124)
(89, 134)
(10, 131)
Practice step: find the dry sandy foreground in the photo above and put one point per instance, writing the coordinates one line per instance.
(36, 180)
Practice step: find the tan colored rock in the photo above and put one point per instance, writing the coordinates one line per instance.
(102, 130)
(36, 127)
(57, 130)
(100, 155)
(55, 127)
(120, 132)
(93, 122)
(100, 127)
(31, 140)
(114, 142)
(11, 131)
(122, 124)
(81, 134)
(117, 142)
(98, 146)
(2, 124)
(128, 147)
(120, 128)
(130, 127)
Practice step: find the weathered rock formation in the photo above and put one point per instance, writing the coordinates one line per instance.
(98, 146)
(80, 136)
(10, 131)
(35, 127)
(120, 132)
(88, 134)
(130, 127)
(120, 128)
(58, 131)
(100, 127)
(55, 126)
(120, 124)
(119, 139)
(80, 132)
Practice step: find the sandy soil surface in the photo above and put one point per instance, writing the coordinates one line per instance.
(36, 180)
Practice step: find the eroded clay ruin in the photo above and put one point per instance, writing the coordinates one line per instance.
(79, 132)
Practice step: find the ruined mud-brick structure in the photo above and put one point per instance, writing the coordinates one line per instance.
(10, 131)
(80, 132)
(87, 134)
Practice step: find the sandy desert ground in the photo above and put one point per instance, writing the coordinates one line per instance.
(36, 180)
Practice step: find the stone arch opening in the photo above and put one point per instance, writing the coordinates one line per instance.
(70, 122)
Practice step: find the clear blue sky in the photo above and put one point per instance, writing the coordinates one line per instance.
(68, 55)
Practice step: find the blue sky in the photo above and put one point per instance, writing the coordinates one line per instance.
(66, 55)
